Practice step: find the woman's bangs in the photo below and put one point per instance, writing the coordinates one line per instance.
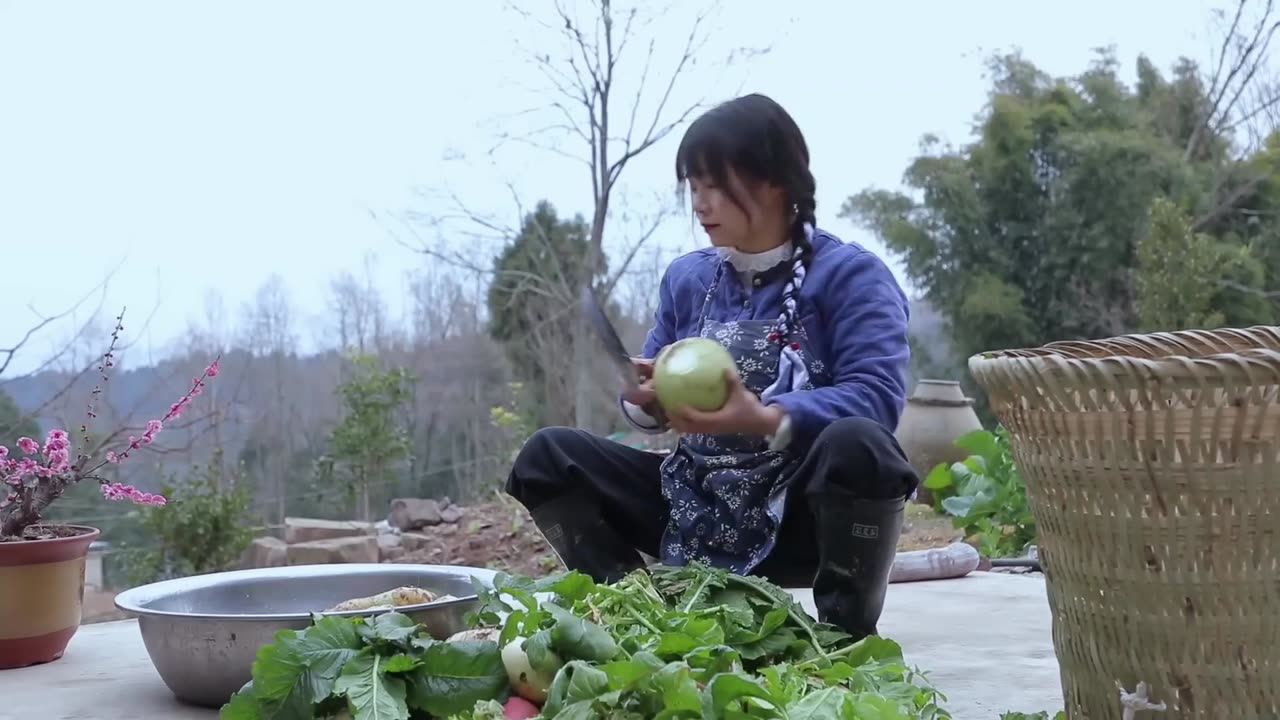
(702, 153)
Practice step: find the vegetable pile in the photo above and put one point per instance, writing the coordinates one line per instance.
(663, 642)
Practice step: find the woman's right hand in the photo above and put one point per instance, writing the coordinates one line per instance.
(643, 395)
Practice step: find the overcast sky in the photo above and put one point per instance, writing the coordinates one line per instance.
(204, 146)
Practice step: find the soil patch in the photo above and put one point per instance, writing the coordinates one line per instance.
(496, 535)
(925, 528)
(45, 532)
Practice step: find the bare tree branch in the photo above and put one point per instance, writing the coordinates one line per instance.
(1241, 56)
(589, 105)
(44, 321)
(77, 337)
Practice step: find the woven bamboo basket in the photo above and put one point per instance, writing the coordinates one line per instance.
(1152, 465)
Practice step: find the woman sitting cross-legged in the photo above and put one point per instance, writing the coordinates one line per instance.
(798, 477)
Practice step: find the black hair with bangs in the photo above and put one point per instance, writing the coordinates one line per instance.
(754, 137)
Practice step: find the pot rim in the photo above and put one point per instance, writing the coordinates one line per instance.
(88, 532)
(134, 600)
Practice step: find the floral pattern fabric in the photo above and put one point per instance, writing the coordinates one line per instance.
(727, 492)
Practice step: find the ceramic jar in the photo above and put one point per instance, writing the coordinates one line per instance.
(936, 414)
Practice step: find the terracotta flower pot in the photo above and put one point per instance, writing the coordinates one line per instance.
(41, 596)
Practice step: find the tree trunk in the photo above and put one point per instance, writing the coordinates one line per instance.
(583, 400)
(584, 395)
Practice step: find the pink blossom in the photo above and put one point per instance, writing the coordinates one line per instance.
(120, 491)
(57, 450)
(47, 470)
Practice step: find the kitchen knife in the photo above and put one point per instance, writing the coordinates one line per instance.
(608, 336)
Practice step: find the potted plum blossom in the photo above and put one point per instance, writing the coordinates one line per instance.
(42, 565)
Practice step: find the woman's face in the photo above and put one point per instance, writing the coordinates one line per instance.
(727, 224)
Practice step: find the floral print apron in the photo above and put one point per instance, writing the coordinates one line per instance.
(727, 492)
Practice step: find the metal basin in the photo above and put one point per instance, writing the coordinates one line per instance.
(203, 632)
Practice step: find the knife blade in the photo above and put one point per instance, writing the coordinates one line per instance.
(608, 337)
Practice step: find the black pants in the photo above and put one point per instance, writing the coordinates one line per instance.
(852, 458)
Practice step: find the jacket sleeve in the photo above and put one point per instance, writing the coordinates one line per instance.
(865, 313)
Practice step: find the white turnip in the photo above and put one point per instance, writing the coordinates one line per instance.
(525, 680)
(691, 373)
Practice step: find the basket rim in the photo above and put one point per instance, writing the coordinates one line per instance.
(1260, 343)
(1259, 366)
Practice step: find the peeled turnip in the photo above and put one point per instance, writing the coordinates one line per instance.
(691, 372)
(390, 599)
(517, 708)
(525, 680)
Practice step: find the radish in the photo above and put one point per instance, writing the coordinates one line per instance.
(525, 680)
(517, 708)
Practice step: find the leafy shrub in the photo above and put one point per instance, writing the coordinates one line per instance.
(985, 495)
(205, 527)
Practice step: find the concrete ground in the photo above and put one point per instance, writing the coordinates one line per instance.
(984, 640)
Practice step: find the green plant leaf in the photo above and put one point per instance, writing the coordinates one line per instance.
(541, 657)
(958, 505)
(824, 704)
(576, 682)
(982, 443)
(731, 688)
(372, 694)
(451, 677)
(579, 638)
(282, 679)
(324, 648)
(392, 627)
(939, 477)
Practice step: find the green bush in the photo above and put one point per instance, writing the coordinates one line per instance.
(985, 495)
(205, 527)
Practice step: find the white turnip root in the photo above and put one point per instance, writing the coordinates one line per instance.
(398, 597)
(525, 680)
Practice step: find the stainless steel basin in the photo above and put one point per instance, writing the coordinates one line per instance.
(203, 632)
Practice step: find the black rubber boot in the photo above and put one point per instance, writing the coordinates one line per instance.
(857, 543)
(574, 526)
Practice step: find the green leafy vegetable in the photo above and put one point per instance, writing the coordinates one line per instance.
(541, 656)
(374, 694)
(667, 643)
(454, 676)
(985, 495)
(380, 668)
(693, 642)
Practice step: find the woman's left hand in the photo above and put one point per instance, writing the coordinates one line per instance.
(741, 413)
